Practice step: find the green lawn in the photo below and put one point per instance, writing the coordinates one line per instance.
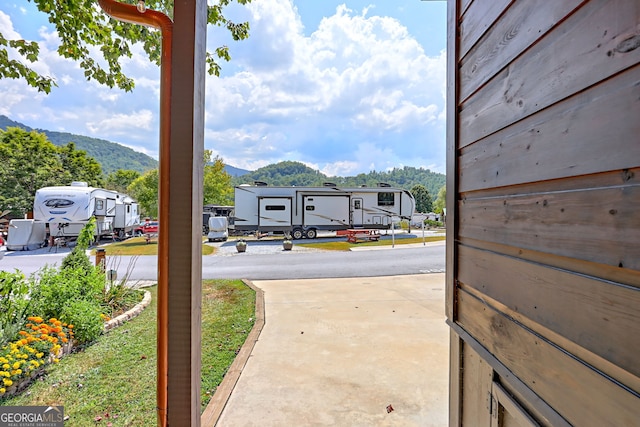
(345, 246)
(114, 380)
(139, 246)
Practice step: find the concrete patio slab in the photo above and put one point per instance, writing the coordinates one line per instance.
(347, 352)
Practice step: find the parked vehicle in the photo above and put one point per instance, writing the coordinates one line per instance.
(147, 227)
(214, 210)
(218, 229)
(68, 208)
(302, 211)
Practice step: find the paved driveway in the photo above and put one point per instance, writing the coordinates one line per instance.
(346, 352)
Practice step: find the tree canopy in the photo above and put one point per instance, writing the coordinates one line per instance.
(289, 173)
(29, 161)
(145, 190)
(217, 187)
(423, 198)
(82, 25)
(120, 180)
(441, 201)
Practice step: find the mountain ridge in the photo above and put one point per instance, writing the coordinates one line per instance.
(113, 156)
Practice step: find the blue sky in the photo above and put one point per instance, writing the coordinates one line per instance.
(345, 87)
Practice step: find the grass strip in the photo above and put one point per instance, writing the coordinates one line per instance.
(114, 379)
(345, 246)
(139, 246)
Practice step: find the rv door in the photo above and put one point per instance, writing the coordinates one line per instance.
(357, 218)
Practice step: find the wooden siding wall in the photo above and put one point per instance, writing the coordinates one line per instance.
(543, 277)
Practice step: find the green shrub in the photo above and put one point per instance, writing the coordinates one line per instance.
(14, 303)
(86, 318)
(57, 288)
(432, 223)
(78, 257)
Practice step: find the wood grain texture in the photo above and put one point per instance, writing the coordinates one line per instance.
(591, 132)
(464, 4)
(510, 413)
(580, 394)
(455, 379)
(566, 223)
(598, 316)
(533, 404)
(521, 25)
(591, 45)
(477, 18)
(452, 158)
(477, 376)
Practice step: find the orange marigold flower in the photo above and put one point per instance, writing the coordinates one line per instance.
(70, 326)
(22, 333)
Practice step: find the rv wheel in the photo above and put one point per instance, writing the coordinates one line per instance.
(297, 233)
(311, 233)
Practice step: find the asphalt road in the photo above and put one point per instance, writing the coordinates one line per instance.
(329, 264)
(269, 262)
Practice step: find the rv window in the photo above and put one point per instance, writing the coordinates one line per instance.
(310, 208)
(386, 199)
(99, 205)
(128, 208)
(357, 204)
(274, 207)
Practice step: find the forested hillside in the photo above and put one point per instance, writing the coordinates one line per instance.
(113, 156)
(295, 173)
(110, 155)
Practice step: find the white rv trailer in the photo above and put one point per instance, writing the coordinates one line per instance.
(127, 216)
(302, 211)
(68, 208)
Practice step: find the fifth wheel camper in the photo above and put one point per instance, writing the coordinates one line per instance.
(303, 211)
(68, 208)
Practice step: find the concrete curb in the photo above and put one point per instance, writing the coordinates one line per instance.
(219, 400)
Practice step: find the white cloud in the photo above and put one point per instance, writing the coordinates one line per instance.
(121, 124)
(353, 78)
(344, 168)
(7, 27)
(354, 94)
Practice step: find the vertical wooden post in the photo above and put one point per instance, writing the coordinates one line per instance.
(182, 212)
(455, 398)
